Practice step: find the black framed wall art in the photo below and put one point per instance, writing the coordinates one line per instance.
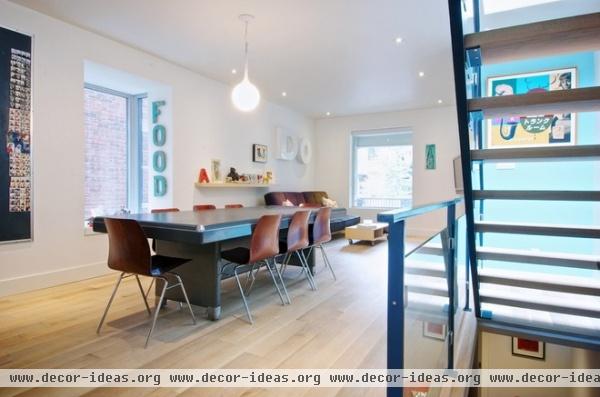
(15, 136)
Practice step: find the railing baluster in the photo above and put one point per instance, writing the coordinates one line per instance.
(395, 306)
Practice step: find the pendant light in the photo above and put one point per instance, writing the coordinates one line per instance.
(245, 96)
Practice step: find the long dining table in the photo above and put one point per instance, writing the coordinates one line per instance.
(201, 236)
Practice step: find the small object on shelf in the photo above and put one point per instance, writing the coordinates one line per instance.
(215, 166)
(233, 176)
(268, 177)
(203, 177)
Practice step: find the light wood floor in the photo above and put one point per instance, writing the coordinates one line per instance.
(342, 325)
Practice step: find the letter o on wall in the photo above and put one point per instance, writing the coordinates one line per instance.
(304, 151)
(159, 161)
(159, 135)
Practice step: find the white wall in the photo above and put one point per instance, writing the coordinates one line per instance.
(435, 125)
(204, 126)
(496, 352)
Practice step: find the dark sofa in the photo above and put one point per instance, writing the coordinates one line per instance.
(339, 218)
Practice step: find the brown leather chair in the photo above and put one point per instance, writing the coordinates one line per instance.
(161, 210)
(203, 207)
(264, 245)
(321, 233)
(129, 254)
(234, 206)
(296, 241)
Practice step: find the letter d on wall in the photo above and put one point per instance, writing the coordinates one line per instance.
(160, 186)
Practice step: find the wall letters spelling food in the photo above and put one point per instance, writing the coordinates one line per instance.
(15, 136)
(159, 158)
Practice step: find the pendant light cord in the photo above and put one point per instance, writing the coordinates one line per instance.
(246, 50)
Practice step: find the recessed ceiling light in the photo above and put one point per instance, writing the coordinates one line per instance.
(440, 101)
(421, 74)
(399, 40)
(284, 93)
(328, 114)
(233, 71)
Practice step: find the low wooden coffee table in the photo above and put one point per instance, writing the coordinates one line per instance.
(372, 234)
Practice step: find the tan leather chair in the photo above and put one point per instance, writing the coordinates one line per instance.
(203, 207)
(321, 233)
(297, 240)
(264, 246)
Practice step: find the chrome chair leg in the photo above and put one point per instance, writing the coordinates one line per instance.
(282, 282)
(312, 277)
(306, 269)
(237, 278)
(156, 310)
(326, 260)
(149, 288)
(109, 302)
(275, 282)
(185, 296)
(252, 278)
(286, 260)
(143, 295)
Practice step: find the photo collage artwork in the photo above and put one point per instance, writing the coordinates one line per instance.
(19, 131)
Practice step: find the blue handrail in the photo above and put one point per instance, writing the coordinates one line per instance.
(396, 220)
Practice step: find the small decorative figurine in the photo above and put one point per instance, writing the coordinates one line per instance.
(233, 175)
(215, 166)
(268, 177)
(203, 177)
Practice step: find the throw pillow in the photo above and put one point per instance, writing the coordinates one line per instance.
(327, 202)
(287, 203)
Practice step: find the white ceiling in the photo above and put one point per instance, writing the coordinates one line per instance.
(337, 56)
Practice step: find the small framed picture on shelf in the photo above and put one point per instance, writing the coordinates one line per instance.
(528, 348)
(259, 153)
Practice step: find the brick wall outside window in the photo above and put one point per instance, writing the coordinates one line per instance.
(105, 153)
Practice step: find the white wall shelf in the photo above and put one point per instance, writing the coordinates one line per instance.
(232, 185)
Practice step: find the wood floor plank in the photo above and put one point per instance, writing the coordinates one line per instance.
(342, 325)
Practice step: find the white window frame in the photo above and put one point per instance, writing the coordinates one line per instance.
(353, 146)
(134, 147)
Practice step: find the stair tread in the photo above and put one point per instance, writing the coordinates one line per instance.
(547, 102)
(556, 195)
(565, 35)
(539, 229)
(539, 254)
(559, 280)
(560, 152)
(590, 304)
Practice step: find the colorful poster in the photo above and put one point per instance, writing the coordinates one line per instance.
(15, 136)
(532, 130)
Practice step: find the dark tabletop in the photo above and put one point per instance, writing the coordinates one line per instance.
(209, 225)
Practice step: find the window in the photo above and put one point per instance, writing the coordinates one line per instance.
(382, 169)
(116, 152)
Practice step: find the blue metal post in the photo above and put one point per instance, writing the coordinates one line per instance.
(451, 266)
(395, 305)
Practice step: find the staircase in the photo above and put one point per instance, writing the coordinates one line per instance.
(551, 293)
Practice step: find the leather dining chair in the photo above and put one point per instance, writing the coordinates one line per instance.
(296, 241)
(203, 207)
(129, 254)
(264, 245)
(321, 233)
(234, 206)
(159, 211)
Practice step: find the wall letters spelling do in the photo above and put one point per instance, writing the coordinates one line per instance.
(159, 158)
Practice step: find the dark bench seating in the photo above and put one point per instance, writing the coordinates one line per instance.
(339, 219)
